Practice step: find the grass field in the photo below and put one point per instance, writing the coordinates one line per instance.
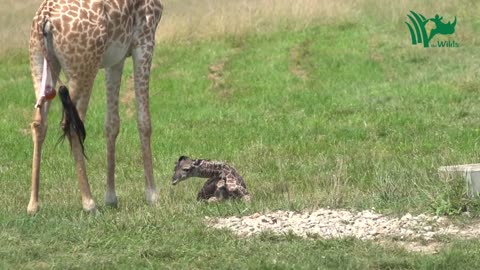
(316, 105)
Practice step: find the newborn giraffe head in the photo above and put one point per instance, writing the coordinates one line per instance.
(184, 168)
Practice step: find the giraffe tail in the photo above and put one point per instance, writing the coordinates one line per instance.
(71, 119)
(71, 122)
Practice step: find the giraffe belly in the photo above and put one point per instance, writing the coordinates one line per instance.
(114, 54)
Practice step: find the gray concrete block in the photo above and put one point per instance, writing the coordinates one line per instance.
(469, 172)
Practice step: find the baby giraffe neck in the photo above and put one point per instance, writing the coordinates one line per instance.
(208, 169)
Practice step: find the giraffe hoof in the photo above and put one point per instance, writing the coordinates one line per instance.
(247, 199)
(111, 200)
(112, 204)
(213, 200)
(89, 206)
(151, 196)
(33, 208)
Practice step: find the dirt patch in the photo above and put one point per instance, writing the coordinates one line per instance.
(297, 55)
(414, 233)
(425, 247)
(216, 75)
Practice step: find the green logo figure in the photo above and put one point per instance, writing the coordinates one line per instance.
(419, 33)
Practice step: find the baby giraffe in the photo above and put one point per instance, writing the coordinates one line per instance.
(223, 181)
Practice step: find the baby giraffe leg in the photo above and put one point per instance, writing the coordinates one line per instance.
(221, 193)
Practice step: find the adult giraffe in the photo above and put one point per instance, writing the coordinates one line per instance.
(80, 37)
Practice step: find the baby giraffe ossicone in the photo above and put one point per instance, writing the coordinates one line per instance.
(223, 180)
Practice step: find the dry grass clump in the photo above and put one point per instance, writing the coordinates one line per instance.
(15, 19)
(200, 19)
(204, 19)
(197, 19)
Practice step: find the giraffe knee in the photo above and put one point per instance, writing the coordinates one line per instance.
(39, 129)
(112, 130)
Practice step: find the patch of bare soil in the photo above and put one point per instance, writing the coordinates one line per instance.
(297, 55)
(414, 233)
(216, 76)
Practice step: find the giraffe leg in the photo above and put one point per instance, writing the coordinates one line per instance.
(39, 126)
(81, 104)
(87, 200)
(221, 192)
(112, 127)
(39, 131)
(142, 58)
(208, 190)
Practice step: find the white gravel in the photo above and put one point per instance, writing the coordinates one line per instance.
(329, 223)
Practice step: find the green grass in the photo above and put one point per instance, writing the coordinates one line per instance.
(343, 115)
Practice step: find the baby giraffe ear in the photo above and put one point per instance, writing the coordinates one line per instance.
(182, 158)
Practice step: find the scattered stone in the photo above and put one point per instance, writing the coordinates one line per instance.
(330, 223)
(407, 217)
(256, 215)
